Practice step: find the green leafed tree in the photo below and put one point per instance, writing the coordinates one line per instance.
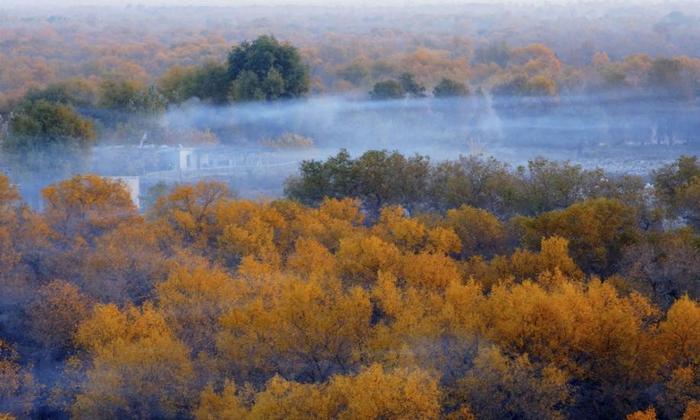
(41, 124)
(128, 96)
(388, 89)
(266, 69)
(411, 86)
(448, 88)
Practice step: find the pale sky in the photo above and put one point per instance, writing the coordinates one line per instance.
(307, 2)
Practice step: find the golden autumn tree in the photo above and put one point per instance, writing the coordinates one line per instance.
(284, 399)
(679, 342)
(406, 233)
(306, 330)
(87, 206)
(429, 270)
(589, 331)
(680, 390)
(225, 405)
(433, 328)
(360, 258)
(648, 414)
(552, 257)
(680, 334)
(136, 367)
(311, 259)
(412, 236)
(193, 299)
(246, 228)
(124, 264)
(334, 220)
(692, 411)
(373, 393)
(187, 213)
(597, 231)
(479, 231)
(378, 393)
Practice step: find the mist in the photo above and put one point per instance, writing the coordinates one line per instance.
(623, 128)
(334, 3)
(622, 133)
(214, 208)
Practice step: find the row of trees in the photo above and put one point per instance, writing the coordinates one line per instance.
(265, 69)
(196, 66)
(69, 113)
(347, 50)
(533, 70)
(210, 307)
(380, 178)
(407, 86)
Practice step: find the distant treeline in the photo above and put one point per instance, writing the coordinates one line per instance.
(528, 48)
(642, 99)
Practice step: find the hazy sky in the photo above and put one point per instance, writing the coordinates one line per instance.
(313, 2)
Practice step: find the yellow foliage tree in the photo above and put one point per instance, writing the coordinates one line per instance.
(301, 329)
(223, 406)
(408, 234)
(192, 299)
(311, 259)
(124, 265)
(679, 334)
(429, 270)
(648, 414)
(283, 399)
(597, 231)
(360, 258)
(187, 214)
(137, 367)
(85, 207)
(553, 256)
(480, 232)
(692, 412)
(376, 393)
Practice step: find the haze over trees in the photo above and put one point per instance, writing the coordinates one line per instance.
(381, 283)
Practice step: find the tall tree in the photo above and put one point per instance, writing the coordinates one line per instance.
(266, 69)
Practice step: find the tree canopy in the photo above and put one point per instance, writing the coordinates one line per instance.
(352, 305)
(42, 124)
(266, 69)
(450, 88)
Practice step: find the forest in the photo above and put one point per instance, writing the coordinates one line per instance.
(492, 212)
(551, 293)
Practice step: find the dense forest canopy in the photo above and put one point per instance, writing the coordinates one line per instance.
(344, 46)
(111, 61)
(553, 292)
(117, 64)
(471, 211)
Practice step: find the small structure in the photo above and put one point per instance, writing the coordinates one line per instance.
(187, 159)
